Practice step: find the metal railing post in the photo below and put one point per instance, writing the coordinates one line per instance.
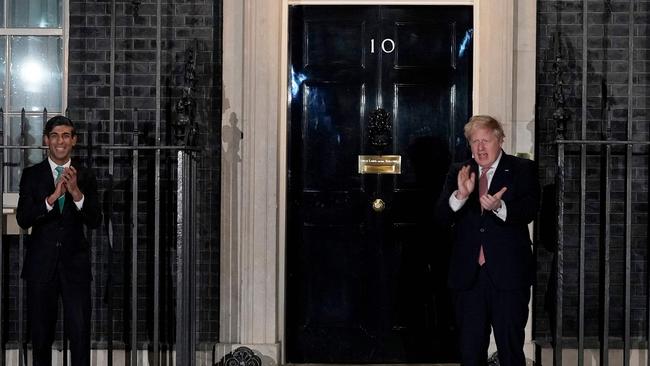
(557, 350)
(583, 189)
(134, 249)
(184, 258)
(156, 307)
(628, 188)
(21, 254)
(2, 248)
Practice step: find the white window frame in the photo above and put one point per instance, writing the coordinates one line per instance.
(6, 32)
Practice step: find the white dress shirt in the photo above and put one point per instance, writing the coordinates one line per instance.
(53, 166)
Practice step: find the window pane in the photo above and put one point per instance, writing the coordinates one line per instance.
(2, 13)
(3, 67)
(35, 13)
(36, 73)
(34, 137)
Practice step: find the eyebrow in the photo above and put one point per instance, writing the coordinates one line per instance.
(62, 134)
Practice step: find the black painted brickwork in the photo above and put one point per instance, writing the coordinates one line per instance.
(607, 99)
(191, 23)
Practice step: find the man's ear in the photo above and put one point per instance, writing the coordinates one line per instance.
(46, 140)
(74, 140)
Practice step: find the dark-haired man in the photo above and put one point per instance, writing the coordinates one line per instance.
(57, 198)
(488, 201)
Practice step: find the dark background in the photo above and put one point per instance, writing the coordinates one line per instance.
(195, 24)
(607, 83)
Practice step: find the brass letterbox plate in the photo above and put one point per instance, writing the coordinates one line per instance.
(380, 164)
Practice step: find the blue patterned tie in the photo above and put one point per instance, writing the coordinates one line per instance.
(60, 200)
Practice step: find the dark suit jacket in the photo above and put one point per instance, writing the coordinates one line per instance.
(506, 245)
(55, 235)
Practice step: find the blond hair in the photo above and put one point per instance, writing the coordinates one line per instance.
(484, 121)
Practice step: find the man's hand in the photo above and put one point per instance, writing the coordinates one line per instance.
(466, 182)
(492, 202)
(59, 190)
(70, 180)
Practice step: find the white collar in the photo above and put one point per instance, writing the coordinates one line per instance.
(53, 165)
(493, 167)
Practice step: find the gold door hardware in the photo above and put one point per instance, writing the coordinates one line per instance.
(378, 205)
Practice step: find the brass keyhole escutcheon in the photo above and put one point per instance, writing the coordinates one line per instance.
(378, 205)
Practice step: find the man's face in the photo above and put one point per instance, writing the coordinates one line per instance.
(485, 146)
(60, 142)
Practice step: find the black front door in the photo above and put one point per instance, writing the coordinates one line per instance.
(366, 263)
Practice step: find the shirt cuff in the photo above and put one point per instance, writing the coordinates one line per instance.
(454, 203)
(79, 204)
(501, 212)
(47, 205)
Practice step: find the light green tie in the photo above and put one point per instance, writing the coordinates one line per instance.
(60, 200)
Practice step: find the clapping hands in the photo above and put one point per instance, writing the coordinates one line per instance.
(467, 183)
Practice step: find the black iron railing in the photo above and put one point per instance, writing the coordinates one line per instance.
(605, 149)
(185, 216)
(594, 183)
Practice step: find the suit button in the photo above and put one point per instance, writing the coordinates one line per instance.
(482, 230)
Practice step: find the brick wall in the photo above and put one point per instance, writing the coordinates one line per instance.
(189, 24)
(607, 106)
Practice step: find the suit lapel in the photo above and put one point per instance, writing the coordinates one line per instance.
(474, 169)
(501, 177)
(46, 172)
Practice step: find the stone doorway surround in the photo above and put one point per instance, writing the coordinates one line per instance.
(253, 162)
